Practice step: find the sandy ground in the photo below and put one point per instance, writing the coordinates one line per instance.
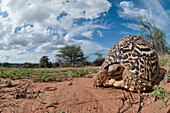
(74, 98)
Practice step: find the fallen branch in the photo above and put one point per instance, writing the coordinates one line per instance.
(71, 83)
(95, 87)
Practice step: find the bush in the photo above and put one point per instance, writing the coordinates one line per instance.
(55, 65)
(98, 61)
(8, 82)
(6, 64)
(94, 70)
(28, 65)
(45, 62)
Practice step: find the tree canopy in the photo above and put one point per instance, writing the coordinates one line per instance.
(45, 62)
(153, 34)
(99, 60)
(72, 54)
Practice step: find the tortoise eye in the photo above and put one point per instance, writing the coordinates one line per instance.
(118, 69)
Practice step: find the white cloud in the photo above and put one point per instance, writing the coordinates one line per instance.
(131, 26)
(125, 33)
(88, 34)
(99, 33)
(154, 11)
(158, 13)
(44, 25)
(21, 51)
(129, 10)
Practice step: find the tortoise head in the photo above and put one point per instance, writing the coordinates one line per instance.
(115, 71)
(100, 78)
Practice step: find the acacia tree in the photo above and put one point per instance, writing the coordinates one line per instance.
(153, 34)
(72, 54)
(45, 62)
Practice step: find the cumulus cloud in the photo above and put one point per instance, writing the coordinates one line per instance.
(129, 10)
(44, 25)
(88, 34)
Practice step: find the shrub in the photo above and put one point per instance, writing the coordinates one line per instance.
(94, 70)
(83, 72)
(8, 82)
(98, 61)
(28, 65)
(160, 93)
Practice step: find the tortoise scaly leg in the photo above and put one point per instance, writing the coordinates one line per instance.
(134, 82)
(139, 106)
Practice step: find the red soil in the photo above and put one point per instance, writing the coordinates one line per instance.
(74, 98)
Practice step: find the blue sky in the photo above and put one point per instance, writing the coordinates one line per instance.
(31, 29)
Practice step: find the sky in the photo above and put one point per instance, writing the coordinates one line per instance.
(30, 29)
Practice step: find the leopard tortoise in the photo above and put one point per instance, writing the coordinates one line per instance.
(132, 64)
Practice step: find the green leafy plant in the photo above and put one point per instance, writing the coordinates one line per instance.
(160, 93)
(65, 74)
(61, 110)
(8, 82)
(168, 76)
(1, 71)
(94, 70)
(162, 62)
(40, 98)
(74, 75)
(83, 72)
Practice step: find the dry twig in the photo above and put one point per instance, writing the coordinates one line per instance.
(126, 97)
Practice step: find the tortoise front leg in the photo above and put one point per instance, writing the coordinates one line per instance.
(100, 78)
(115, 83)
(134, 82)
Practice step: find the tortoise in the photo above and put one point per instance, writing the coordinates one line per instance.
(132, 64)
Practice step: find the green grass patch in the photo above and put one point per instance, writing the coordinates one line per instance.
(8, 82)
(83, 72)
(43, 75)
(162, 62)
(160, 93)
(94, 70)
(78, 72)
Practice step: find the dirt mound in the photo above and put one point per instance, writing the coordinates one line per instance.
(74, 96)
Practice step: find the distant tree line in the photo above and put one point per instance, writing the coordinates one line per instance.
(19, 65)
(68, 56)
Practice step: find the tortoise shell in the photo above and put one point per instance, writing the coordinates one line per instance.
(136, 55)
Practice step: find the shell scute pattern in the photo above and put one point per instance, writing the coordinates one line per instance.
(136, 55)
